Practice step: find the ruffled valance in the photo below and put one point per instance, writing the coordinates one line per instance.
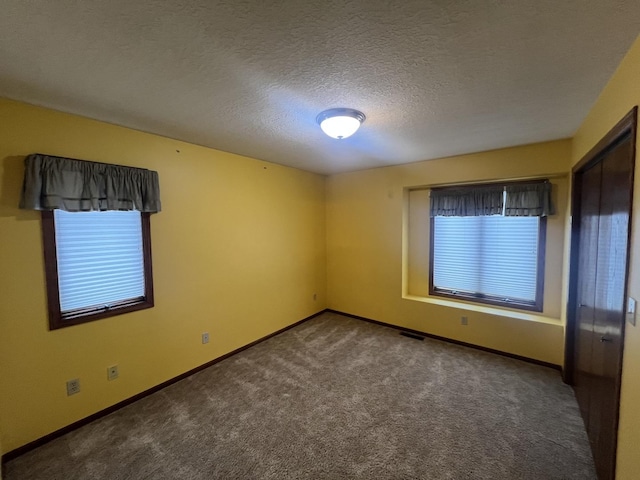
(80, 186)
(526, 199)
(467, 201)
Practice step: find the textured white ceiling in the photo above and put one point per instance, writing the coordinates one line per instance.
(435, 78)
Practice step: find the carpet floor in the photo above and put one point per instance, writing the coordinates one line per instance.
(336, 398)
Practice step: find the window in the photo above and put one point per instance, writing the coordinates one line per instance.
(98, 264)
(489, 258)
(96, 235)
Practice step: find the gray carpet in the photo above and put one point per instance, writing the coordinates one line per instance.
(336, 398)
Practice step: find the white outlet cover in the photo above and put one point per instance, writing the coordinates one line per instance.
(73, 386)
(112, 372)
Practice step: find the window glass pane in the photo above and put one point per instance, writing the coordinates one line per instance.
(100, 258)
(489, 255)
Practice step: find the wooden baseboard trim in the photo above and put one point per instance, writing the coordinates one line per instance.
(450, 340)
(102, 413)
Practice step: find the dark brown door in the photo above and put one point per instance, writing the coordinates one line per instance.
(599, 274)
(589, 223)
(610, 282)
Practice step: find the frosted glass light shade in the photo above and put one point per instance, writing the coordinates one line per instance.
(340, 122)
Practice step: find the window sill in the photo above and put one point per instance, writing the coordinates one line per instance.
(56, 322)
(502, 312)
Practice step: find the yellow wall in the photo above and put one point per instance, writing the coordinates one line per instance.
(370, 236)
(620, 95)
(238, 251)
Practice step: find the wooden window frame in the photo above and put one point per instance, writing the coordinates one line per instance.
(59, 319)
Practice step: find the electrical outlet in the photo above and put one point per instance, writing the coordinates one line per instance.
(464, 321)
(112, 372)
(205, 337)
(73, 386)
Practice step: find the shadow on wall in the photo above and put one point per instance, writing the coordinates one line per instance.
(13, 173)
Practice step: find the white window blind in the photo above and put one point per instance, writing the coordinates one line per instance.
(492, 256)
(100, 258)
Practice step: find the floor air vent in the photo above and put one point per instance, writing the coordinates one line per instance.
(412, 335)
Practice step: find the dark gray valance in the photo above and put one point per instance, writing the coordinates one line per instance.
(511, 200)
(472, 201)
(79, 186)
(528, 200)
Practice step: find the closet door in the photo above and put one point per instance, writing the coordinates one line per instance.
(605, 205)
(610, 288)
(585, 376)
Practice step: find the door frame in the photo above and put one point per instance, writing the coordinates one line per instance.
(627, 126)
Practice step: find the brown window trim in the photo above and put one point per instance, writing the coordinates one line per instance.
(58, 319)
(536, 306)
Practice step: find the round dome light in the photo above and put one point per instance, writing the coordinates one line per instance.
(340, 122)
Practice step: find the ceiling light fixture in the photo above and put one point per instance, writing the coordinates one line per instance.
(340, 122)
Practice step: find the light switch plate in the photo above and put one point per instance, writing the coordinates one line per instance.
(631, 311)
